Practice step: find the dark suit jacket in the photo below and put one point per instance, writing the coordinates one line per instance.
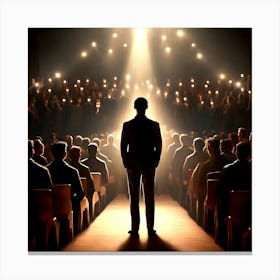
(38, 176)
(63, 173)
(141, 143)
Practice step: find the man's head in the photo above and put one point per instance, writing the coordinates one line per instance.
(213, 147)
(243, 151)
(141, 104)
(92, 150)
(59, 150)
(75, 153)
(38, 147)
(198, 144)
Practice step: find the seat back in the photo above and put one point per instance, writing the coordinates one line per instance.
(214, 175)
(84, 184)
(63, 201)
(41, 204)
(96, 177)
(240, 208)
(211, 199)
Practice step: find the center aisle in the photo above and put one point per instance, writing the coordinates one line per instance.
(176, 230)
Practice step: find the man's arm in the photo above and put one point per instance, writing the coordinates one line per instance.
(124, 143)
(158, 144)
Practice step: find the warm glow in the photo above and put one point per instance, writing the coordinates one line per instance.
(167, 49)
(180, 33)
(125, 45)
(83, 54)
(193, 45)
(115, 35)
(199, 56)
(163, 37)
(110, 51)
(222, 76)
(57, 75)
(93, 44)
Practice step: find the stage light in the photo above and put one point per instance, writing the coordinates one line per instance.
(123, 92)
(185, 99)
(87, 80)
(238, 84)
(148, 95)
(192, 85)
(127, 86)
(158, 92)
(222, 76)
(67, 90)
(192, 80)
(209, 91)
(177, 100)
(114, 85)
(216, 92)
(115, 35)
(176, 93)
(110, 51)
(37, 91)
(168, 84)
(165, 94)
(150, 86)
(230, 81)
(57, 75)
(167, 49)
(125, 45)
(115, 78)
(93, 44)
(50, 80)
(207, 82)
(193, 45)
(63, 100)
(241, 75)
(242, 89)
(78, 81)
(180, 84)
(104, 81)
(180, 33)
(88, 99)
(206, 86)
(199, 56)
(163, 37)
(83, 54)
(75, 85)
(109, 96)
(201, 102)
(49, 90)
(127, 77)
(81, 89)
(64, 81)
(37, 84)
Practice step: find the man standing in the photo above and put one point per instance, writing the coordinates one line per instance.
(141, 146)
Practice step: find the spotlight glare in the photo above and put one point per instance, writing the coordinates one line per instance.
(192, 80)
(50, 80)
(36, 84)
(167, 49)
(193, 45)
(49, 90)
(115, 78)
(192, 85)
(238, 84)
(222, 76)
(163, 37)
(199, 56)
(230, 81)
(125, 45)
(110, 51)
(180, 33)
(93, 44)
(242, 75)
(64, 81)
(57, 75)
(83, 54)
(115, 35)
(78, 81)
(180, 84)
(67, 90)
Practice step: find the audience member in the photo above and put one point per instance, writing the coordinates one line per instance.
(84, 171)
(226, 150)
(216, 162)
(96, 164)
(63, 173)
(38, 156)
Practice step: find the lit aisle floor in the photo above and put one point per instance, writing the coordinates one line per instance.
(176, 230)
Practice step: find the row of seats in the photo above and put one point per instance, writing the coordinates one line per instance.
(238, 221)
(51, 219)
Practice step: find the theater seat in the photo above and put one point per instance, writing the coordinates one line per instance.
(63, 207)
(42, 220)
(96, 176)
(239, 219)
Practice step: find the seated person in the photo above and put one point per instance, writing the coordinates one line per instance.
(39, 148)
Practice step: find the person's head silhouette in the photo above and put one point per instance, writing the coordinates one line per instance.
(141, 104)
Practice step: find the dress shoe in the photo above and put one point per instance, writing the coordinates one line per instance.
(152, 232)
(133, 232)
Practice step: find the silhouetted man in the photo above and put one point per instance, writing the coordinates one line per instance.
(141, 146)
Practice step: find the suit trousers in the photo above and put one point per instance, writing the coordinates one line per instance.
(147, 177)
